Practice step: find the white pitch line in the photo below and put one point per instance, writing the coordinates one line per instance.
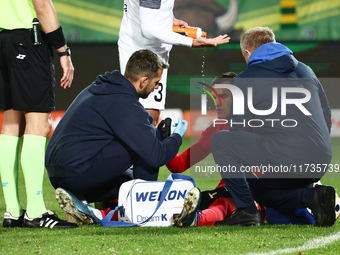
(311, 244)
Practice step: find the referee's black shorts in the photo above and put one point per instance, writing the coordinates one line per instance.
(27, 80)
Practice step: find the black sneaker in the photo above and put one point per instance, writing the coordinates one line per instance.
(47, 220)
(12, 222)
(209, 196)
(323, 206)
(242, 218)
(188, 215)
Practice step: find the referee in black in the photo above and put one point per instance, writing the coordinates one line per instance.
(28, 30)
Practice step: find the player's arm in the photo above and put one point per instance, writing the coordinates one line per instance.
(49, 22)
(210, 42)
(203, 42)
(142, 137)
(194, 154)
(151, 30)
(180, 162)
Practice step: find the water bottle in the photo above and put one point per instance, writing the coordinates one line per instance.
(193, 32)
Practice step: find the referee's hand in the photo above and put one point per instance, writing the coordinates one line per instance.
(68, 71)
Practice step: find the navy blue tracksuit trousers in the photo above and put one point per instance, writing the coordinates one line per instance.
(236, 150)
(106, 172)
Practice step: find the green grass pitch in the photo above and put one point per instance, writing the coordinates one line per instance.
(269, 239)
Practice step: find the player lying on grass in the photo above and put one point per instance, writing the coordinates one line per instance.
(219, 209)
(201, 148)
(85, 214)
(220, 196)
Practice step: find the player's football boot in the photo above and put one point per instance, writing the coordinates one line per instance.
(74, 209)
(47, 220)
(188, 216)
(323, 206)
(11, 222)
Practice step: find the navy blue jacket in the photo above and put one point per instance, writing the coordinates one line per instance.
(273, 65)
(108, 110)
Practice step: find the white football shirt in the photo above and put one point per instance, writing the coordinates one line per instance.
(147, 24)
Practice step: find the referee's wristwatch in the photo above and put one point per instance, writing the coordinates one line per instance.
(65, 53)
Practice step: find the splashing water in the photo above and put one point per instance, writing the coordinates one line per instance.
(203, 64)
(203, 70)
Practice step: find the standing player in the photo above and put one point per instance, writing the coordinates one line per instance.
(148, 25)
(27, 97)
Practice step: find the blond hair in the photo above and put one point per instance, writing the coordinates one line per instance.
(255, 37)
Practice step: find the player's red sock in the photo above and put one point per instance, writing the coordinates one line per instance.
(115, 216)
(106, 212)
(218, 210)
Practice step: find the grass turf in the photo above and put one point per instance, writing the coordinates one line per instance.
(202, 240)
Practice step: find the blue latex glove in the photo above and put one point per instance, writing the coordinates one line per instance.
(181, 127)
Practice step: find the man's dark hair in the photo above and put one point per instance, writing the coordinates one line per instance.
(225, 78)
(143, 63)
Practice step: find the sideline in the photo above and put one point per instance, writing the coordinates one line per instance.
(311, 244)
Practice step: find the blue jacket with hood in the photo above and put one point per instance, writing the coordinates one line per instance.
(307, 138)
(106, 111)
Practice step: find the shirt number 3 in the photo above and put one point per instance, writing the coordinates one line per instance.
(159, 96)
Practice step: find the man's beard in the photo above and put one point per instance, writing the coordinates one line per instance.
(144, 94)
